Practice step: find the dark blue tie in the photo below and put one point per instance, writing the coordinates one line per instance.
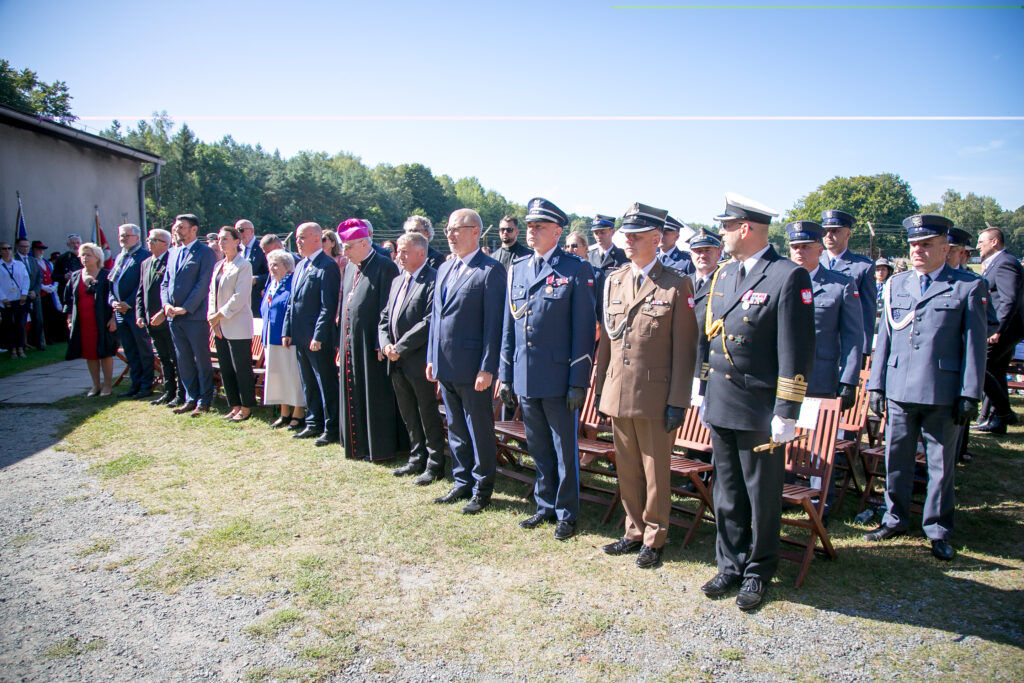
(925, 281)
(538, 265)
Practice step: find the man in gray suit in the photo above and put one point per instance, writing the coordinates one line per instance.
(34, 303)
(927, 374)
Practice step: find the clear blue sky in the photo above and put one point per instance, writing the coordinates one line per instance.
(225, 60)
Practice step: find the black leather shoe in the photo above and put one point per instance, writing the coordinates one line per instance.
(173, 403)
(428, 478)
(721, 584)
(995, 425)
(306, 433)
(476, 504)
(942, 550)
(623, 546)
(454, 495)
(751, 593)
(325, 439)
(565, 530)
(131, 393)
(144, 394)
(161, 399)
(408, 469)
(649, 558)
(882, 532)
(534, 521)
(297, 427)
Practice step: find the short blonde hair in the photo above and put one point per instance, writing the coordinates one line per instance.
(94, 248)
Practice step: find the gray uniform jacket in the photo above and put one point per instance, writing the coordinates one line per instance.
(931, 348)
(839, 331)
(861, 270)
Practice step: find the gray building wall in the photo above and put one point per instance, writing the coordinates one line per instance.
(60, 184)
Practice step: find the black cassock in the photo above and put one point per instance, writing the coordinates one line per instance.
(370, 423)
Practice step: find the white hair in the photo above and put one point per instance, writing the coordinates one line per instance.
(129, 228)
(282, 257)
(414, 222)
(161, 235)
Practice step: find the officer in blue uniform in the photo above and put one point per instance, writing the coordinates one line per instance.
(838, 228)
(838, 325)
(546, 359)
(671, 255)
(604, 257)
(759, 322)
(927, 372)
(705, 251)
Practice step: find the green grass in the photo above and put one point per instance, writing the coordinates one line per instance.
(73, 647)
(97, 546)
(35, 359)
(378, 574)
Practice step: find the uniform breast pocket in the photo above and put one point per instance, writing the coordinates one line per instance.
(947, 312)
(824, 301)
(557, 293)
(613, 313)
(651, 319)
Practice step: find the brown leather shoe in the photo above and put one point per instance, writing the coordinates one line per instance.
(199, 410)
(186, 407)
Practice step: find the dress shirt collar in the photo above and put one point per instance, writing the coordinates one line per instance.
(188, 246)
(547, 255)
(987, 262)
(933, 275)
(312, 257)
(815, 271)
(416, 273)
(838, 256)
(646, 270)
(469, 257)
(750, 262)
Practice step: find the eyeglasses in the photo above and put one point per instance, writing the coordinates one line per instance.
(506, 229)
(5, 248)
(460, 228)
(574, 247)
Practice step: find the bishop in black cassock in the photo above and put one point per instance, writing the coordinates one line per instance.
(371, 428)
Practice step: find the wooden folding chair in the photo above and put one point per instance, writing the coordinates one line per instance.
(692, 437)
(873, 463)
(808, 458)
(259, 365)
(853, 422)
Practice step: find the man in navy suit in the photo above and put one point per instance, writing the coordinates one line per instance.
(310, 325)
(402, 335)
(250, 248)
(462, 354)
(124, 288)
(838, 228)
(185, 293)
(1005, 279)
(546, 358)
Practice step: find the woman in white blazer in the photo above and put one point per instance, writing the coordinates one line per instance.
(230, 316)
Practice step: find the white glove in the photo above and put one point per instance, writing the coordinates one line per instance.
(700, 412)
(783, 429)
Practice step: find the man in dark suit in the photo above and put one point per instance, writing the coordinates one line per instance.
(926, 376)
(310, 326)
(761, 338)
(124, 290)
(1005, 277)
(250, 248)
(546, 359)
(462, 354)
(403, 331)
(511, 249)
(67, 263)
(149, 315)
(34, 303)
(838, 227)
(185, 293)
(423, 226)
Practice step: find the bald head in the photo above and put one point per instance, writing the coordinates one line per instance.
(246, 229)
(308, 238)
(463, 232)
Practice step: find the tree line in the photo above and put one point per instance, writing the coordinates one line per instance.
(225, 180)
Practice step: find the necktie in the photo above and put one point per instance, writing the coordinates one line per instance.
(538, 265)
(832, 263)
(925, 281)
(450, 281)
(740, 274)
(637, 281)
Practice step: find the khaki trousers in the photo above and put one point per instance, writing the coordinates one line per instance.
(642, 460)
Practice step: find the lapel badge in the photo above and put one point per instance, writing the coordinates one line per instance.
(549, 289)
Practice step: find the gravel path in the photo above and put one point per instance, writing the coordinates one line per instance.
(51, 591)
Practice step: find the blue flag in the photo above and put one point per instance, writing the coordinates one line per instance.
(20, 232)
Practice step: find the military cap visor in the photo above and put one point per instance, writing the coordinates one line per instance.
(540, 210)
(925, 226)
(643, 218)
(804, 232)
(833, 218)
(601, 222)
(704, 238)
(673, 224)
(740, 208)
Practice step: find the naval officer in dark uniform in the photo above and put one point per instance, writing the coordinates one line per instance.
(838, 325)
(838, 228)
(927, 373)
(759, 323)
(644, 377)
(669, 252)
(546, 358)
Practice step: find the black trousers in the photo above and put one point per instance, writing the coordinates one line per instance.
(34, 311)
(235, 358)
(319, 375)
(12, 325)
(161, 336)
(999, 356)
(417, 403)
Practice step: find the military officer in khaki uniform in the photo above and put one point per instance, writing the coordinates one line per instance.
(645, 367)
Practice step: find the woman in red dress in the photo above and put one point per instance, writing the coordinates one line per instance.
(91, 318)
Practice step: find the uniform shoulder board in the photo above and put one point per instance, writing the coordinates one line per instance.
(572, 257)
(592, 247)
(521, 258)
